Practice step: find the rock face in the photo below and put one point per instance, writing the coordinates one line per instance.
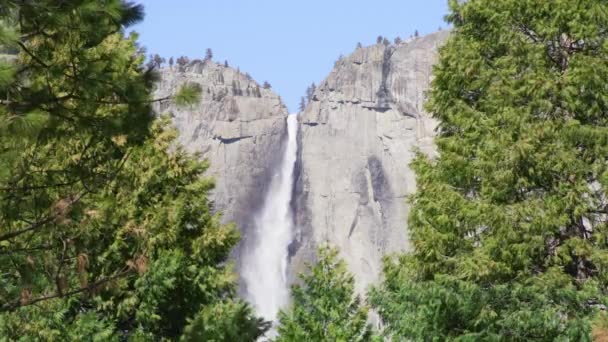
(238, 126)
(357, 139)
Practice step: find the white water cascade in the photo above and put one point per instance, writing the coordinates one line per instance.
(265, 266)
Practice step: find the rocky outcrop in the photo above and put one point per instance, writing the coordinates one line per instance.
(238, 126)
(357, 139)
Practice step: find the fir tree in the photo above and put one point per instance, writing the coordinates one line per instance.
(171, 62)
(310, 92)
(266, 85)
(150, 64)
(106, 229)
(208, 54)
(509, 222)
(302, 105)
(183, 61)
(158, 61)
(325, 307)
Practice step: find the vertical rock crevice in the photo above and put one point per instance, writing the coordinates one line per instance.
(384, 94)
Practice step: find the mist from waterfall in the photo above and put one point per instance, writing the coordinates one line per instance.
(265, 265)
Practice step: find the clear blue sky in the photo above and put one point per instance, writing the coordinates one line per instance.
(290, 43)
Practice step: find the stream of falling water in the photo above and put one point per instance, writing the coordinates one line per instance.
(265, 266)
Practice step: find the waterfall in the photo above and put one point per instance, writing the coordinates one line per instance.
(265, 265)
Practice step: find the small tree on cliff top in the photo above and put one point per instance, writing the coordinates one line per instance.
(208, 54)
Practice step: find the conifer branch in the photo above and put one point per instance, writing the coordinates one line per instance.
(34, 57)
(18, 303)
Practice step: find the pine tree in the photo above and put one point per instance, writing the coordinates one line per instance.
(302, 105)
(158, 61)
(310, 92)
(171, 62)
(183, 61)
(226, 64)
(208, 54)
(241, 325)
(266, 85)
(325, 307)
(106, 229)
(509, 222)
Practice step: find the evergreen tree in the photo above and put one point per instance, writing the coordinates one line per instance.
(171, 62)
(240, 325)
(106, 230)
(398, 40)
(302, 105)
(325, 308)
(310, 92)
(208, 54)
(157, 61)
(509, 223)
(226, 64)
(359, 45)
(267, 85)
(379, 40)
(183, 61)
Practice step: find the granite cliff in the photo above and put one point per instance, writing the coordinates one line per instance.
(238, 125)
(357, 139)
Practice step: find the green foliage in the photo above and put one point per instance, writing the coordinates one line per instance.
(188, 94)
(325, 308)
(509, 222)
(106, 229)
(232, 321)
